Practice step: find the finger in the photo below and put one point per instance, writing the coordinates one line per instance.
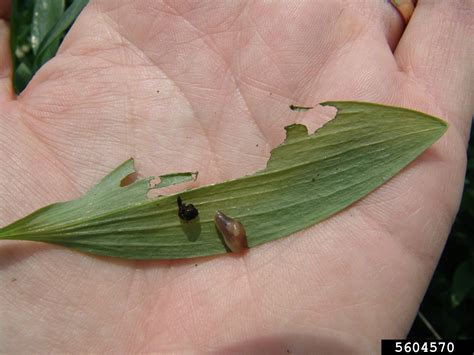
(436, 52)
(405, 8)
(5, 8)
(6, 89)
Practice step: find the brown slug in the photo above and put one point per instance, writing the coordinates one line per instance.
(232, 231)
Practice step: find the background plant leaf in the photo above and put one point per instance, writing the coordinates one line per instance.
(463, 283)
(45, 15)
(37, 28)
(22, 76)
(20, 28)
(46, 49)
(307, 179)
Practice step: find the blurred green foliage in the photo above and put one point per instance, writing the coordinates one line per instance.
(38, 27)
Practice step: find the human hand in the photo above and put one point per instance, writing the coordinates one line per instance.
(226, 74)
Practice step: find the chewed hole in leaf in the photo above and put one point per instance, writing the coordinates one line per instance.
(130, 179)
(165, 184)
(316, 118)
(308, 178)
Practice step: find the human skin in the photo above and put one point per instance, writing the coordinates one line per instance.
(226, 73)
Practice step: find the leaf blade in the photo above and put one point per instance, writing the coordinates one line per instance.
(45, 14)
(307, 179)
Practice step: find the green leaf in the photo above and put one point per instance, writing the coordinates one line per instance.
(463, 282)
(307, 179)
(20, 26)
(21, 77)
(45, 49)
(45, 15)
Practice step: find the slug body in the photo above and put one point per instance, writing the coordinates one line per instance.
(232, 231)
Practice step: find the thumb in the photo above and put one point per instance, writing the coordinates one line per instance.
(6, 88)
(436, 50)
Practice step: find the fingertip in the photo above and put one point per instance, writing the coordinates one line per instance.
(5, 9)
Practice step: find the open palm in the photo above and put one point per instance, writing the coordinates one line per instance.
(186, 86)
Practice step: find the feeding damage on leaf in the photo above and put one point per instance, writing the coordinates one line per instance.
(308, 178)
